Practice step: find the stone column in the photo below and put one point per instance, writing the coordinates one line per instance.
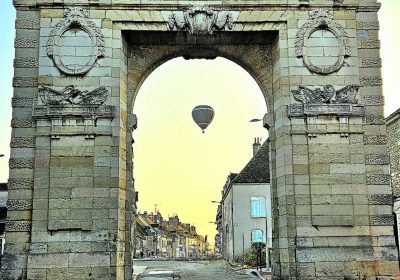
(69, 146)
(333, 189)
(22, 162)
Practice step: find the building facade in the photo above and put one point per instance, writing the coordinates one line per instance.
(246, 216)
(393, 132)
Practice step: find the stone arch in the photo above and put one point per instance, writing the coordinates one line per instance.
(261, 71)
(256, 59)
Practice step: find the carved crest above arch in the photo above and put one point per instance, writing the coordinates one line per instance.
(87, 42)
(200, 20)
(322, 20)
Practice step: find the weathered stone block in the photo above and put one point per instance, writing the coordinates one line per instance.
(333, 254)
(22, 102)
(378, 179)
(16, 226)
(89, 260)
(48, 260)
(20, 184)
(348, 269)
(26, 43)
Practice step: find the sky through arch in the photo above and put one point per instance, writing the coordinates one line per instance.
(178, 167)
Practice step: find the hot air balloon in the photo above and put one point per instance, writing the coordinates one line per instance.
(203, 116)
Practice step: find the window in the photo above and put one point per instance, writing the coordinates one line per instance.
(258, 207)
(257, 235)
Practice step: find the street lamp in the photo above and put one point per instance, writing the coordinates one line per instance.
(1, 155)
(214, 201)
(268, 120)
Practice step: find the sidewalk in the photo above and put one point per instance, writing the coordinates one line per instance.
(138, 270)
(263, 274)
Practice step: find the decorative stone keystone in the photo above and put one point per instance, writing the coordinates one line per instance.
(200, 20)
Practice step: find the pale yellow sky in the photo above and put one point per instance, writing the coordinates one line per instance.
(177, 166)
(174, 159)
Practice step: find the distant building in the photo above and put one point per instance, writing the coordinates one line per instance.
(245, 213)
(156, 237)
(144, 237)
(393, 132)
(3, 215)
(218, 236)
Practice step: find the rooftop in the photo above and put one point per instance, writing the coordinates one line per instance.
(257, 170)
(393, 117)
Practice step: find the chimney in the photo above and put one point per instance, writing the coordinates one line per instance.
(256, 145)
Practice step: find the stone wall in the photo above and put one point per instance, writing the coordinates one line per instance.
(71, 186)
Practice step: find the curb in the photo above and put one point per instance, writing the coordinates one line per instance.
(235, 267)
(256, 273)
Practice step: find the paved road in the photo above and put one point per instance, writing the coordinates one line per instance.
(206, 270)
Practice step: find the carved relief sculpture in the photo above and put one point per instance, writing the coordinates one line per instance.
(72, 96)
(321, 20)
(200, 20)
(326, 95)
(87, 44)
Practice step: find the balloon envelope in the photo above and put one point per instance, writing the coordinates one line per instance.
(203, 115)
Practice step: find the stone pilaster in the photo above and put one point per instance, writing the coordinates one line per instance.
(19, 220)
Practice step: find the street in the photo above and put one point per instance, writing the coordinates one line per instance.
(201, 270)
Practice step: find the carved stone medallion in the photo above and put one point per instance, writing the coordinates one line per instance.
(323, 29)
(75, 43)
(200, 20)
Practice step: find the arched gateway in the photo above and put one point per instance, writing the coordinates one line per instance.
(78, 67)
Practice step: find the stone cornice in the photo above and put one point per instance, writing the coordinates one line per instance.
(88, 111)
(225, 5)
(296, 110)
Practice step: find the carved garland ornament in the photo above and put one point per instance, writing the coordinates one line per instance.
(322, 20)
(326, 95)
(72, 96)
(200, 20)
(75, 17)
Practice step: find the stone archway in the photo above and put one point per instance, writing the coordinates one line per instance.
(70, 186)
(148, 50)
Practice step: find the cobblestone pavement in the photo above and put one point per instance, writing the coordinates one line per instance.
(205, 270)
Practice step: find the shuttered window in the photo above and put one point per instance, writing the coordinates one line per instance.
(258, 207)
(257, 235)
